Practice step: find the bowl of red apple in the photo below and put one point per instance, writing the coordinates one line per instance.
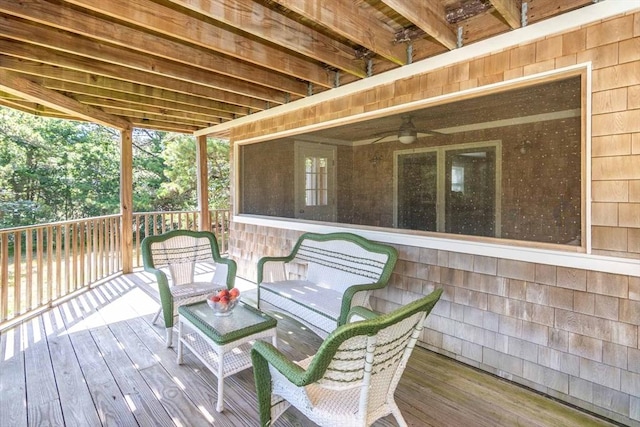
(223, 301)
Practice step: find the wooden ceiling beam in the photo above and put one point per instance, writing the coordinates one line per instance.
(125, 108)
(78, 22)
(346, 19)
(78, 63)
(34, 109)
(163, 20)
(59, 79)
(130, 114)
(91, 95)
(510, 11)
(18, 29)
(432, 23)
(250, 17)
(14, 84)
(164, 126)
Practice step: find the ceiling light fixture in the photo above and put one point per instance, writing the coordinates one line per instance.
(407, 134)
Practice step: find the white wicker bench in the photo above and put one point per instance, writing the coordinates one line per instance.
(323, 277)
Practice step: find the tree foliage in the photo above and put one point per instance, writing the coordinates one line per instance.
(53, 170)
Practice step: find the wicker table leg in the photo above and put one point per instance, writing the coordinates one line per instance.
(220, 404)
(179, 342)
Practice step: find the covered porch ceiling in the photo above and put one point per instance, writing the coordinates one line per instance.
(186, 65)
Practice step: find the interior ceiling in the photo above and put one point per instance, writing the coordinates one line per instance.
(555, 100)
(185, 65)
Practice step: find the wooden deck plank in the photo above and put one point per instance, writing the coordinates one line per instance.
(145, 403)
(13, 387)
(43, 400)
(103, 344)
(199, 383)
(111, 406)
(477, 394)
(75, 398)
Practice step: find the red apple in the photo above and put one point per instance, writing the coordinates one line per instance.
(234, 293)
(215, 298)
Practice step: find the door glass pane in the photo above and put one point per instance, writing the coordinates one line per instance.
(418, 191)
(470, 197)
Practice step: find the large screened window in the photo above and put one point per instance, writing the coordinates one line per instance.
(502, 165)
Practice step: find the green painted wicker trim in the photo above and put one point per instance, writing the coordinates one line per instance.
(268, 323)
(362, 312)
(315, 310)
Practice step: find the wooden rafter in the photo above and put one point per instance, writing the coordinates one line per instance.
(432, 23)
(251, 17)
(345, 18)
(76, 22)
(61, 41)
(78, 63)
(510, 11)
(14, 84)
(156, 17)
(65, 80)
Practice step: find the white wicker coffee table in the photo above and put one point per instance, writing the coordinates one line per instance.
(212, 338)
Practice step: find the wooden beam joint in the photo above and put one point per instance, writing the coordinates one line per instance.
(407, 35)
(466, 9)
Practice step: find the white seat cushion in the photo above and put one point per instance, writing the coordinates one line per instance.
(306, 300)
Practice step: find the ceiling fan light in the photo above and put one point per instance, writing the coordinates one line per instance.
(407, 134)
(407, 139)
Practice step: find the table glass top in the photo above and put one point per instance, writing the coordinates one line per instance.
(243, 321)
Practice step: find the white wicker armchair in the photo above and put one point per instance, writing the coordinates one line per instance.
(352, 378)
(178, 254)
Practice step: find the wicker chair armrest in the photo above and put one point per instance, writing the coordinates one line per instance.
(348, 296)
(294, 373)
(358, 313)
(262, 261)
(232, 267)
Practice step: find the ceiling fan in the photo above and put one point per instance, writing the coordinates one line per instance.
(407, 133)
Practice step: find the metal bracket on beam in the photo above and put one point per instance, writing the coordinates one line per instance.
(267, 105)
(523, 16)
(287, 97)
(460, 34)
(336, 79)
(369, 67)
(309, 89)
(409, 53)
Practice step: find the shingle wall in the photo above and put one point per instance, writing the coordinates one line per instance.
(571, 333)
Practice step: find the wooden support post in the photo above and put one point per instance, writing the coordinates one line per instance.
(126, 198)
(204, 222)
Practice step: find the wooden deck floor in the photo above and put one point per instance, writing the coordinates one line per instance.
(97, 360)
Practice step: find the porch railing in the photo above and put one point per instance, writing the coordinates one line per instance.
(43, 264)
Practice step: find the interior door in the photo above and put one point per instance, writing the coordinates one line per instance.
(418, 191)
(315, 183)
(470, 191)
